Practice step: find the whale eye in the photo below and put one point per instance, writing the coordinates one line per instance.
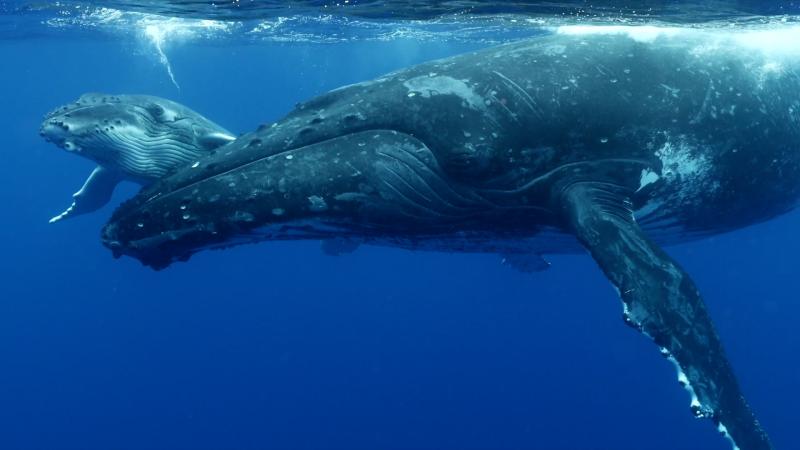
(156, 110)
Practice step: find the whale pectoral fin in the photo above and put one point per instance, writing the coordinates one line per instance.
(210, 141)
(94, 194)
(526, 262)
(661, 301)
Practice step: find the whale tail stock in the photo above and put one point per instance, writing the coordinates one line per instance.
(661, 301)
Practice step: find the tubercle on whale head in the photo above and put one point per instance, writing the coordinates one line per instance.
(57, 131)
(87, 128)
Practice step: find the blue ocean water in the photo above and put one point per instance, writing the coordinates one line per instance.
(278, 346)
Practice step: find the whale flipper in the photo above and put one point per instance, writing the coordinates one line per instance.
(661, 301)
(94, 194)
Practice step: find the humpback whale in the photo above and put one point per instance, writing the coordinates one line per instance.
(615, 140)
(138, 138)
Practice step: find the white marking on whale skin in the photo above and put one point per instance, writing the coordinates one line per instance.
(687, 170)
(648, 177)
(317, 203)
(678, 161)
(555, 50)
(723, 430)
(673, 92)
(698, 408)
(428, 86)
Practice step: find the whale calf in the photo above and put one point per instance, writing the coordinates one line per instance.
(137, 138)
(614, 140)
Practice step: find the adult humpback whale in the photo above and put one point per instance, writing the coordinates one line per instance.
(137, 138)
(614, 140)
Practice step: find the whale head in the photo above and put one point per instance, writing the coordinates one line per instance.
(141, 136)
(368, 186)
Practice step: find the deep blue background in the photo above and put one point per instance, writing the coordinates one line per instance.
(278, 346)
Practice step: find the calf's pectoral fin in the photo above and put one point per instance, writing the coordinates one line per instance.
(95, 193)
(661, 301)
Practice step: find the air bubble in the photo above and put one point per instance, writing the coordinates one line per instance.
(140, 225)
(186, 216)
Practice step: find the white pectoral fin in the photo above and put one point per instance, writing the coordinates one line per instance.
(93, 195)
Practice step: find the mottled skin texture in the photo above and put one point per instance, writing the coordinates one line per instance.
(604, 138)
